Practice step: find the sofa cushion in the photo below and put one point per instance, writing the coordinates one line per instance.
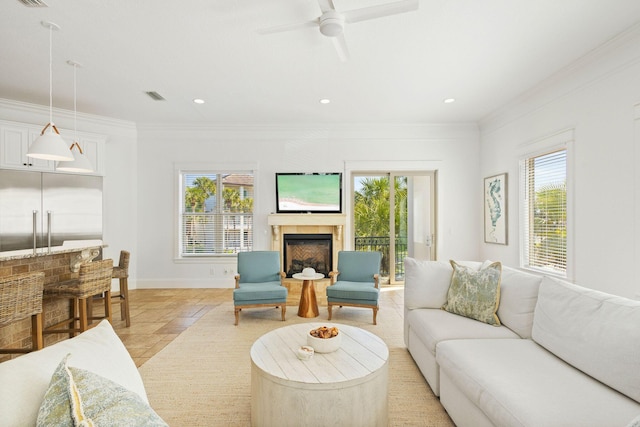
(596, 332)
(435, 325)
(25, 379)
(475, 294)
(519, 383)
(518, 296)
(427, 282)
(79, 397)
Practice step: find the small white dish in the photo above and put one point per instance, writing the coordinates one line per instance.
(305, 352)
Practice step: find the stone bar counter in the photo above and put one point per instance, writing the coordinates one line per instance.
(59, 264)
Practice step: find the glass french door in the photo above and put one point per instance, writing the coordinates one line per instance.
(397, 220)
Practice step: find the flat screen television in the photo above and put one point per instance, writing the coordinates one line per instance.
(309, 192)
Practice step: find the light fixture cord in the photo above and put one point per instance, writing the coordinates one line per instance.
(75, 109)
(51, 74)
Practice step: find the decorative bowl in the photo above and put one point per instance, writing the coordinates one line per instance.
(324, 345)
(305, 352)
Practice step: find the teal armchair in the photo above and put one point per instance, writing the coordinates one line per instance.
(355, 283)
(259, 282)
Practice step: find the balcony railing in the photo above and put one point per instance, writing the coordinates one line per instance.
(382, 244)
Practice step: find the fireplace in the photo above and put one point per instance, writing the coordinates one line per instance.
(302, 251)
(326, 225)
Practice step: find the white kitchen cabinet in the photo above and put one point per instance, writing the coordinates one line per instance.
(14, 144)
(15, 139)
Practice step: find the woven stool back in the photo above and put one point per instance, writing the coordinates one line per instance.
(94, 278)
(20, 296)
(122, 269)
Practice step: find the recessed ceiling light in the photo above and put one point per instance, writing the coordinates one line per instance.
(198, 101)
(449, 100)
(325, 101)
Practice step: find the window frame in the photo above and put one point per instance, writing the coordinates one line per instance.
(182, 169)
(563, 140)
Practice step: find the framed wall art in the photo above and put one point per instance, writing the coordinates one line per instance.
(495, 209)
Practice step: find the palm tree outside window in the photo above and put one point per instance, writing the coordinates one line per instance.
(216, 213)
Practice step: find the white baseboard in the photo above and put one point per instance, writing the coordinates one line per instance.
(183, 283)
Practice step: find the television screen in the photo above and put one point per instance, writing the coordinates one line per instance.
(309, 192)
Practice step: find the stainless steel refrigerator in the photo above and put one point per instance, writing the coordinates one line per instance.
(45, 209)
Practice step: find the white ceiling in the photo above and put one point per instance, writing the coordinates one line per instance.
(484, 53)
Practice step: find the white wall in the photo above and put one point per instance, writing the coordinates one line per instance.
(120, 182)
(598, 99)
(291, 149)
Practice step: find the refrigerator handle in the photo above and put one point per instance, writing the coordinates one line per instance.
(35, 231)
(49, 232)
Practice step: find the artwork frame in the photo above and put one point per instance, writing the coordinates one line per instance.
(496, 209)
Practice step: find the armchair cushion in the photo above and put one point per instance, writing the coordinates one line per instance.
(259, 266)
(259, 293)
(352, 291)
(358, 266)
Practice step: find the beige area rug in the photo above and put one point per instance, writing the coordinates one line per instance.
(203, 377)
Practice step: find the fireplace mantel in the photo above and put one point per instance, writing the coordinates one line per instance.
(276, 221)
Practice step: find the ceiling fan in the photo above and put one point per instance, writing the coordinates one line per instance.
(331, 23)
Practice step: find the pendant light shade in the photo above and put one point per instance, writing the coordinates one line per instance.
(80, 162)
(50, 145)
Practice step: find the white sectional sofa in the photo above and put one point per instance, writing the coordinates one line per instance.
(564, 355)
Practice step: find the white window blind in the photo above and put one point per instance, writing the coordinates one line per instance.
(545, 212)
(217, 213)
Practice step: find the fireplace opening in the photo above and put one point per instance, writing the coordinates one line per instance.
(302, 251)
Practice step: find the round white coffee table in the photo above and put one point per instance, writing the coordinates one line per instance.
(347, 387)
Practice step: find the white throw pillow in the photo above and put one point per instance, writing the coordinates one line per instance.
(426, 283)
(518, 296)
(25, 379)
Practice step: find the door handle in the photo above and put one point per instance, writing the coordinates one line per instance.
(35, 230)
(49, 232)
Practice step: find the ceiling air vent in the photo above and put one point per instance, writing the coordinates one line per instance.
(33, 3)
(155, 96)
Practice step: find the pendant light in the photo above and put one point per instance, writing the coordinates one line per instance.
(80, 162)
(50, 145)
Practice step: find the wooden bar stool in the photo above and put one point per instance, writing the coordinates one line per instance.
(121, 272)
(20, 298)
(94, 279)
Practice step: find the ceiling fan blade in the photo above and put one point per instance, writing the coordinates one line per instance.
(341, 47)
(326, 5)
(289, 27)
(380, 11)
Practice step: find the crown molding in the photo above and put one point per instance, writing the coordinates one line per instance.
(613, 56)
(23, 111)
(297, 132)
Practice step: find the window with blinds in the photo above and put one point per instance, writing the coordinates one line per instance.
(545, 212)
(216, 213)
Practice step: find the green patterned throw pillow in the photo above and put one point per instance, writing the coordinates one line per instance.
(475, 294)
(79, 398)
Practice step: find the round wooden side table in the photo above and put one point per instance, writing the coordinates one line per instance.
(308, 306)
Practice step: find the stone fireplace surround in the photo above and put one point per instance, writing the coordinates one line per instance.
(282, 224)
